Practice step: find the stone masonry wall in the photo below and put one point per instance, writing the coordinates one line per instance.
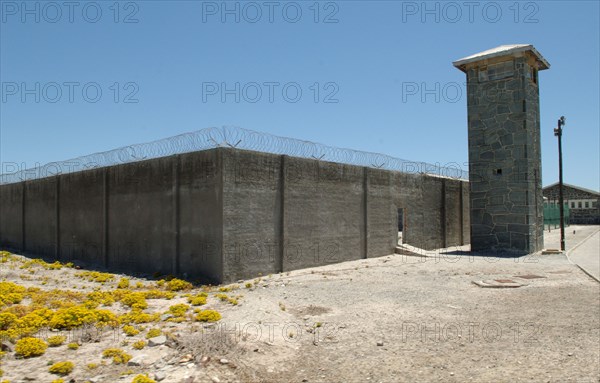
(505, 161)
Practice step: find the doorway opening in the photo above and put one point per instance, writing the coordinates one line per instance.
(400, 220)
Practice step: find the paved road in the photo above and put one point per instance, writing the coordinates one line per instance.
(575, 234)
(587, 255)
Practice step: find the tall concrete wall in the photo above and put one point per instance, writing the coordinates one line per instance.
(200, 215)
(466, 212)
(436, 210)
(251, 213)
(81, 217)
(381, 212)
(407, 195)
(11, 215)
(40, 216)
(284, 213)
(323, 213)
(141, 233)
(158, 216)
(226, 214)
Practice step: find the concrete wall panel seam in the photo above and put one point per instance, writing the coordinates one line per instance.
(365, 207)
(282, 239)
(105, 217)
(175, 212)
(57, 218)
(23, 211)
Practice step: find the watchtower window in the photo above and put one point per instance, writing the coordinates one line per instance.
(497, 71)
(482, 73)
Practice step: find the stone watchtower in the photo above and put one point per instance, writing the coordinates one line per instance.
(504, 148)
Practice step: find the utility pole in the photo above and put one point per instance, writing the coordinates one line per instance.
(558, 133)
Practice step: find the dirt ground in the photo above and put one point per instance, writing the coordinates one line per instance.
(391, 319)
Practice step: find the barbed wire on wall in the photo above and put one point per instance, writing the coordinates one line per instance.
(232, 137)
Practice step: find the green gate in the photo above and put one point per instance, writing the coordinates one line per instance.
(552, 216)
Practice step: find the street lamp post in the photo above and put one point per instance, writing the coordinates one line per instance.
(558, 133)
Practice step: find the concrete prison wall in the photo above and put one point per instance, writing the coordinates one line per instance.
(226, 214)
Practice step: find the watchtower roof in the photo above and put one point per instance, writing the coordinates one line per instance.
(503, 50)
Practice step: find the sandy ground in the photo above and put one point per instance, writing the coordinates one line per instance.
(391, 319)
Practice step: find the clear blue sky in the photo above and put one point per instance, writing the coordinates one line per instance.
(367, 60)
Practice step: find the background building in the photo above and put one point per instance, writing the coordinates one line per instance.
(584, 204)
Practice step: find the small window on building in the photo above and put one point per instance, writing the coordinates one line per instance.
(587, 204)
(496, 71)
(482, 74)
(534, 75)
(594, 204)
(500, 71)
(572, 205)
(498, 172)
(579, 205)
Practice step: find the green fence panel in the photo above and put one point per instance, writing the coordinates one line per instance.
(552, 216)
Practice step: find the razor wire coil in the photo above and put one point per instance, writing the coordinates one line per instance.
(231, 137)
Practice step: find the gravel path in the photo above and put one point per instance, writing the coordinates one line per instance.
(390, 319)
(398, 319)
